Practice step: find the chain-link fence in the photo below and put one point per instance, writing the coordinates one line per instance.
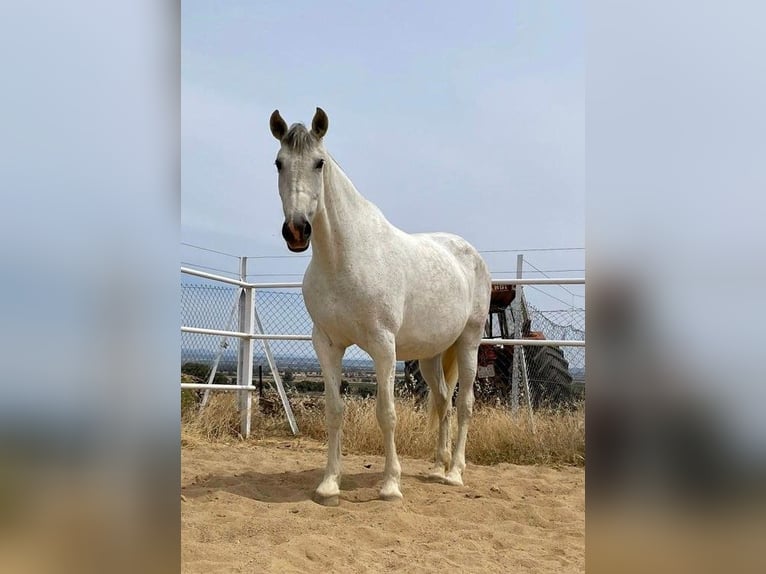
(549, 376)
(564, 325)
(280, 312)
(556, 375)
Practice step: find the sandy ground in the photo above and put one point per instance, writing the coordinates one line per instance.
(246, 507)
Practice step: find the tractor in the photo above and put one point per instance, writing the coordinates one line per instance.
(550, 382)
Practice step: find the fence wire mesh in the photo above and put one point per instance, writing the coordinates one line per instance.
(565, 325)
(280, 312)
(549, 376)
(556, 375)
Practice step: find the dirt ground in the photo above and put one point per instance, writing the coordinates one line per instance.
(246, 507)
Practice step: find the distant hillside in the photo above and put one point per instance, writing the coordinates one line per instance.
(228, 362)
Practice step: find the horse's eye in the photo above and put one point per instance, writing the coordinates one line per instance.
(319, 164)
(278, 163)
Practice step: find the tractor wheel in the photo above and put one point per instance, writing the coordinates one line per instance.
(550, 382)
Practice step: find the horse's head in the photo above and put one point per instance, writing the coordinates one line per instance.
(300, 163)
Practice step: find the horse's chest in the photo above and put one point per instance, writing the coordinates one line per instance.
(324, 307)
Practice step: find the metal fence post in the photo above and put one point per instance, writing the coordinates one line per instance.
(525, 376)
(524, 312)
(245, 362)
(517, 356)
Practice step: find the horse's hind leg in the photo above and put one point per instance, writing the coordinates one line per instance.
(330, 357)
(433, 373)
(467, 354)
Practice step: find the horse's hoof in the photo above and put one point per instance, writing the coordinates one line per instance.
(453, 479)
(327, 500)
(391, 497)
(436, 476)
(391, 493)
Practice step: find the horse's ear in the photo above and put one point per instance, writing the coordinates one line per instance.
(278, 125)
(319, 124)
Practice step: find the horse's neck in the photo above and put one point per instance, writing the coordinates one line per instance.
(344, 218)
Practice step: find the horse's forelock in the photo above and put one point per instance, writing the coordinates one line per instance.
(299, 139)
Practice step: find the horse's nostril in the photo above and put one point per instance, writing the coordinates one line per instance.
(286, 233)
(306, 229)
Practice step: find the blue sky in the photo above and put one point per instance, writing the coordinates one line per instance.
(448, 117)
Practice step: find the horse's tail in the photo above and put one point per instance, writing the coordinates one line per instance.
(450, 368)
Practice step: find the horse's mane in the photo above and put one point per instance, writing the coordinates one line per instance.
(299, 139)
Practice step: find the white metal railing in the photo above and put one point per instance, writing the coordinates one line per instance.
(248, 321)
(242, 335)
(249, 317)
(238, 282)
(540, 281)
(275, 337)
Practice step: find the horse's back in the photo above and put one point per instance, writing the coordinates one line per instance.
(466, 256)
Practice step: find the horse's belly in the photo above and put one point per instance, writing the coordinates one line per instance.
(421, 338)
(416, 338)
(411, 350)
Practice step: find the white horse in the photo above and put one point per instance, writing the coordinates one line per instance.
(395, 295)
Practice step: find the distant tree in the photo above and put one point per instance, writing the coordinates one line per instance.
(364, 391)
(288, 376)
(202, 372)
(308, 386)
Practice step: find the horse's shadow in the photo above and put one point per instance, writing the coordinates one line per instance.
(288, 486)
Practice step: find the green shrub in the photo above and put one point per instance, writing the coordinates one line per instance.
(202, 372)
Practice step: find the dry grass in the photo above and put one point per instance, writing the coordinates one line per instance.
(495, 434)
(219, 420)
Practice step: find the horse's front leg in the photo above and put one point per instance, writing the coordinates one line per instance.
(330, 357)
(385, 367)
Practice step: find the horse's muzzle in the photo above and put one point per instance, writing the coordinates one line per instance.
(297, 233)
